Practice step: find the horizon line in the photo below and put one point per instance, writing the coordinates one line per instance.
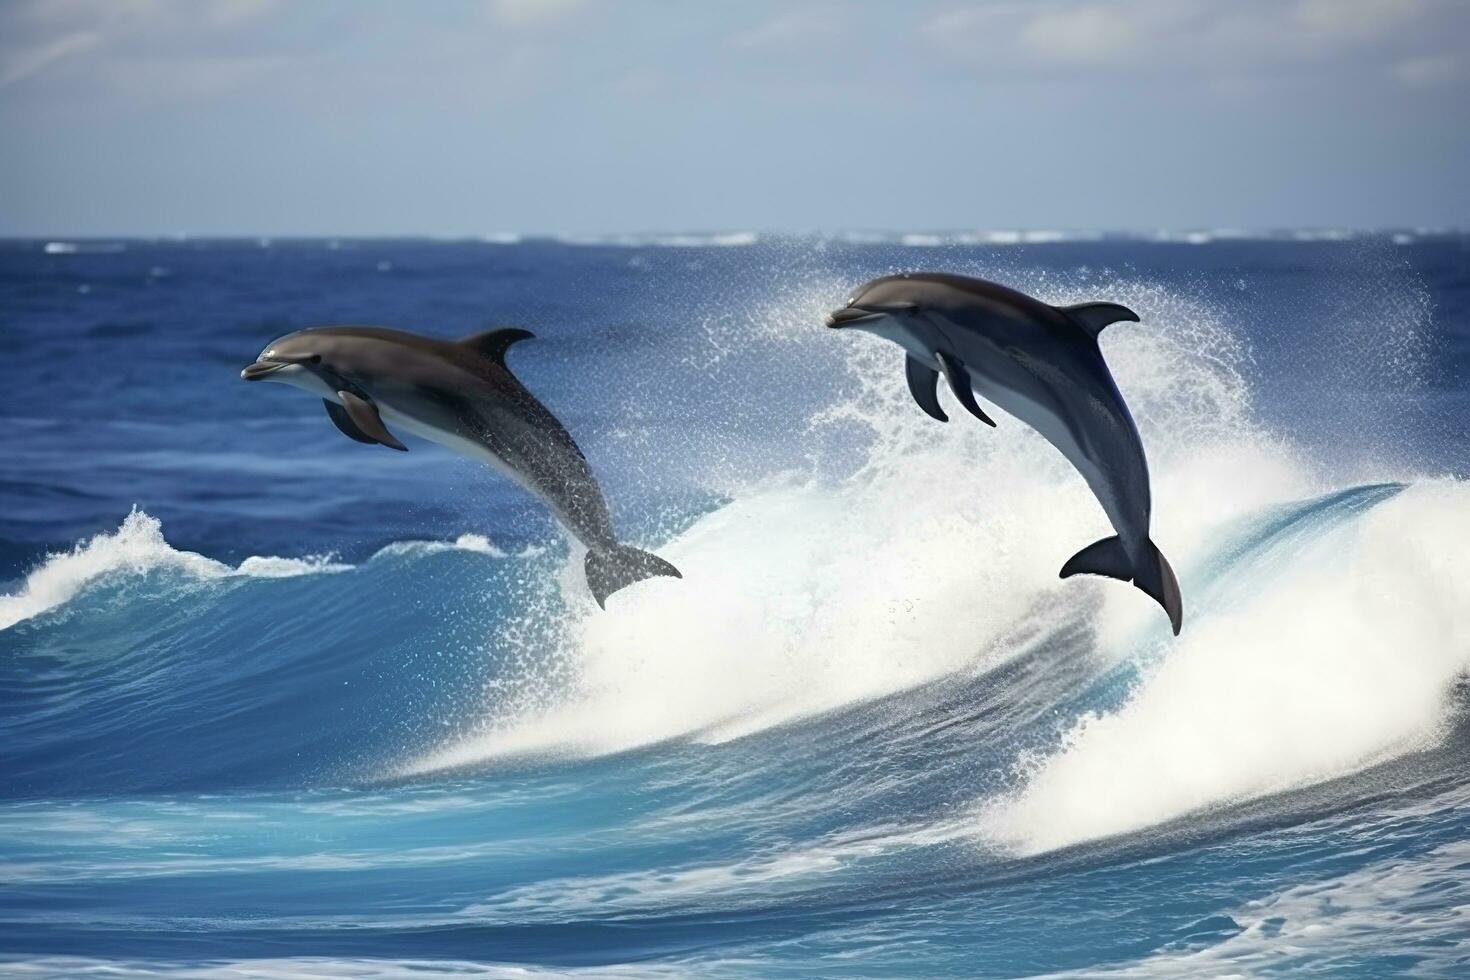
(739, 236)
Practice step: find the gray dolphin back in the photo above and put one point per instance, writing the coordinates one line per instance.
(462, 395)
(609, 566)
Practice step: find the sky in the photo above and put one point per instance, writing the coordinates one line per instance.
(588, 117)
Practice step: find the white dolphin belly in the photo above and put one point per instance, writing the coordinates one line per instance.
(473, 450)
(455, 443)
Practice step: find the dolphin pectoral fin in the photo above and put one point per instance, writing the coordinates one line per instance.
(959, 383)
(1092, 317)
(924, 386)
(1152, 576)
(494, 343)
(344, 422)
(364, 415)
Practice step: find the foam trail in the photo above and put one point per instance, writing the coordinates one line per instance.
(136, 547)
(318, 968)
(1424, 904)
(1346, 657)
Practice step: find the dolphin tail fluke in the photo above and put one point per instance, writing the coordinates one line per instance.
(1156, 578)
(1105, 557)
(621, 566)
(1152, 576)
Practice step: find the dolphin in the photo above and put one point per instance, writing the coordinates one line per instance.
(1041, 364)
(459, 394)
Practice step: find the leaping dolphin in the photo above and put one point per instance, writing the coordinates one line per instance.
(459, 394)
(1041, 364)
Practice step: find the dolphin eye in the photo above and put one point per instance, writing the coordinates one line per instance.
(316, 358)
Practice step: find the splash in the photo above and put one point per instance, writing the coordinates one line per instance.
(477, 544)
(1346, 657)
(136, 547)
(813, 591)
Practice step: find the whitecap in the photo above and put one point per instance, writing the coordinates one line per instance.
(1337, 653)
(136, 547)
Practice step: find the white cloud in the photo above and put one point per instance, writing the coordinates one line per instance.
(1428, 71)
(26, 62)
(174, 48)
(227, 13)
(1086, 34)
(1359, 18)
(518, 13)
(803, 29)
(1211, 38)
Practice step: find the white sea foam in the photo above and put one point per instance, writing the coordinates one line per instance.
(137, 546)
(808, 594)
(474, 543)
(758, 876)
(1417, 908)
(314, 968)
(1346, 653)
(996, 236)
(682, 240)
(78, 248)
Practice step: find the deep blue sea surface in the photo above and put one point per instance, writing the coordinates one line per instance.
(275, 703)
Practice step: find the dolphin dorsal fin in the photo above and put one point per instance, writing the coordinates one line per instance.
(1092, 317)
(494, 343)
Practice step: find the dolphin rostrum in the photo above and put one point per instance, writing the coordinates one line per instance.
(459, 394)
(1041, 364)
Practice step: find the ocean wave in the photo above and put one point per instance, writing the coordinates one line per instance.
(804, 595)
(315, 967)
(477, 544)
(1183, 236)
(758, 877)
(999, 236)
(84, 248)
(136, 547)
(724, 239)
(1333, 653)
(1341, 925)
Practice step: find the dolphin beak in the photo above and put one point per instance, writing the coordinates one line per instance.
(849, 315)
(260, 369)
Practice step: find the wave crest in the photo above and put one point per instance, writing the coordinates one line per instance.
(1334, 652)
(136, 547)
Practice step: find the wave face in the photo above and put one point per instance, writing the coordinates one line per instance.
(273, 703)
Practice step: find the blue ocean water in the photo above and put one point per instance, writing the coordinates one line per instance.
(274, 703)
